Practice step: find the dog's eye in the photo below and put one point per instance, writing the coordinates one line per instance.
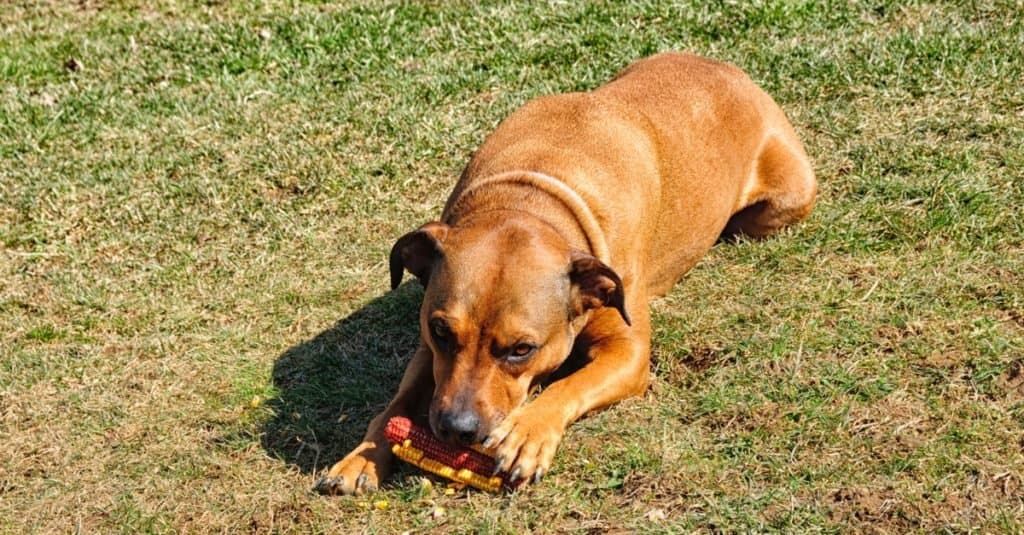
(440, 330)
(521, 351)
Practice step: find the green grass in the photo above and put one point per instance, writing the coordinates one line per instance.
(193, 227)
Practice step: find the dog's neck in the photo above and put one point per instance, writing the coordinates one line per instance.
(533, 193)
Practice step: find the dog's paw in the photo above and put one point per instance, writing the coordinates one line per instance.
(360, 471)
(525, 443)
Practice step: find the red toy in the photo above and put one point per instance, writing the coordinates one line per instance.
(418, 446)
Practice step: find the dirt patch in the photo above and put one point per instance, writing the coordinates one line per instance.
(891, 338)
(881, 509)
(1011, 381)
(685, 369)
(972, 503)
(891, 510)
(667, 490)
(946, 360)
(1016, 317)
(265, 521)
(893, 420)
(703, 357)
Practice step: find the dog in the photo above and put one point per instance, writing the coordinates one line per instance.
(574, 212)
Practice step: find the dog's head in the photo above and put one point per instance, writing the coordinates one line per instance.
(505, 298)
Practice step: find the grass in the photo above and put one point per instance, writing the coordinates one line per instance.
(195, 211)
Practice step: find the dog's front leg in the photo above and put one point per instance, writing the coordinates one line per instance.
(526, 440)
(369, 463)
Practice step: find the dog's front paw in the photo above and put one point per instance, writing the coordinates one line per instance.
(524, 443)
(360, 471)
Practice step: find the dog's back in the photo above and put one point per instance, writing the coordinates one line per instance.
(724, 145)
(664, 154)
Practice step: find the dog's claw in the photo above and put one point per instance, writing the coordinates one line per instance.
(514, 476)
(328, 485)
(538, 475)
(499, 463)
(360, 480)
(488, 443)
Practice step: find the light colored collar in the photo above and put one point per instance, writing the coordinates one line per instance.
(554, 188)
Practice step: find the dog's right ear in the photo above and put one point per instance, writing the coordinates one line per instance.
(417, 252)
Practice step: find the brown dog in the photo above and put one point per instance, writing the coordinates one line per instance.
(574, 212)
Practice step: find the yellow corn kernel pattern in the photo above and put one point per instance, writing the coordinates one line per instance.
(414, 456)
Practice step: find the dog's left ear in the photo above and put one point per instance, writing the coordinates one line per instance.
(596, 285)
(417, 251)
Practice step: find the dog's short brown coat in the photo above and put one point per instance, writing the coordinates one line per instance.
(571, 215)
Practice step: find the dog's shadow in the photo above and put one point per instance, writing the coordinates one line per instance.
(331, 386)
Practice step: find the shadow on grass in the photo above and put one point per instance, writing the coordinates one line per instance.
(329, 387)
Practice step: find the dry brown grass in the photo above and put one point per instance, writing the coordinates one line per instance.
(194, 310)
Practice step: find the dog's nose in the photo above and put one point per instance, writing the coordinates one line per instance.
(462, 426)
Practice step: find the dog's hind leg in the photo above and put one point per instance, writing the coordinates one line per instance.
(781, 190)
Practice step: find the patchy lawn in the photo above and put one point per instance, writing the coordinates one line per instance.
(196, 200)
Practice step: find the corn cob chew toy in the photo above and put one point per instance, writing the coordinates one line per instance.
(418, 446)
